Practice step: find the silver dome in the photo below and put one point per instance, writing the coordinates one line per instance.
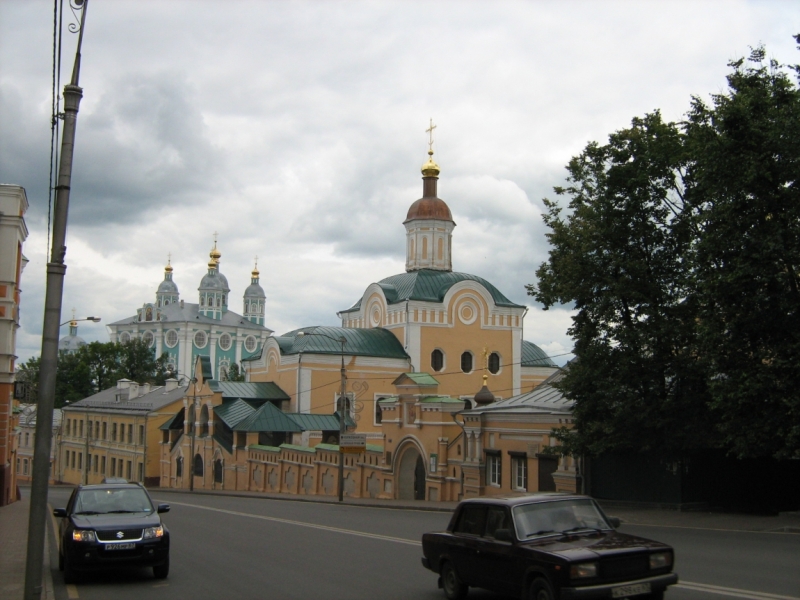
(254, 290)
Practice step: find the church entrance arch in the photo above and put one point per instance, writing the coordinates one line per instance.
(411, 475)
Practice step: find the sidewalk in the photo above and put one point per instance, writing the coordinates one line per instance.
(13, 549)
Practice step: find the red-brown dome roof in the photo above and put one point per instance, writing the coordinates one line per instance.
(429, 208)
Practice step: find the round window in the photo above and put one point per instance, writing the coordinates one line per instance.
(124, 337)
(172, 338)
(250, 343)
(225, 341)
(148, 338)
(200, 339)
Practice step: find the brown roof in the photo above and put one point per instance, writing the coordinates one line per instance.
(429, 208)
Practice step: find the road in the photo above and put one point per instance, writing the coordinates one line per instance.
(226, 547)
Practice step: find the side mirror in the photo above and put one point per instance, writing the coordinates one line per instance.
(162, 508)
(615, 522)
(60, 512)
(502, 535)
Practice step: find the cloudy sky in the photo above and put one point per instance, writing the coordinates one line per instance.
(296, 130)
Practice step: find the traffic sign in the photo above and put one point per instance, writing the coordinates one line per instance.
(350, 442)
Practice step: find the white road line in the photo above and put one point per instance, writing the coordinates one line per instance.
(72, 591)
(735, 592)
(707, 528)
(386, 538)
(699, 587)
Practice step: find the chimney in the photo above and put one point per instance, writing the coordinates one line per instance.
(134, 390)
(181, 302)
(123, 384)
(144, 389)
(170, 384)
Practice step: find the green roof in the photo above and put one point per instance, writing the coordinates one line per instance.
(175, 422)
(377, 342)
(423, 379)
(298, 448)
(315, 422)
(430, 286)
(389, 399)
(374, 448)
(205, 368)
(223, 441)
(448, 399)
(268, 418)
(233, 413)
(232, 390)
(260, 447)
(533, 356)
(328, 447)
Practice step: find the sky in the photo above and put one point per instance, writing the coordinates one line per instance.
(296, 131)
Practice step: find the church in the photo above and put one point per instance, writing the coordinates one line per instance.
(185, 330)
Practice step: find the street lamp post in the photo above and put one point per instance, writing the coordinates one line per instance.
(92, 319)
(341, 406)
(193, 425)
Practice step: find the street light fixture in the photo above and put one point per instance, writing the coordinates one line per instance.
(92, 319)
(341, 405)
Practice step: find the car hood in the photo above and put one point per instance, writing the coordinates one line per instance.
(116, 521)
(588, 547)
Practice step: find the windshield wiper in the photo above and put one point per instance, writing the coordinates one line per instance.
(542, 532)
(113, 512)
(87, 512)
(582, 528)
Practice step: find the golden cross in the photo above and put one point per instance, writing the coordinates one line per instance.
(215, 239)
(429, 130)
(73, 313)
(256, 261)
(169, 258)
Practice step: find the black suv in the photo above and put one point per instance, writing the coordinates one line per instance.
(111, 525)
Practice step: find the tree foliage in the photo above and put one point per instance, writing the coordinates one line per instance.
(95, 367)
(679, 249)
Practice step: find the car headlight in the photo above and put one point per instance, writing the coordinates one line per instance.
(660, 560)
(153, 532)
(83, 535)
(583, 570)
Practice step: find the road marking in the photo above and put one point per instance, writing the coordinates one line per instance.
(375, 536)
(735, 592)
(72, 591)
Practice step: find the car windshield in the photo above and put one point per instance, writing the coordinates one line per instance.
(548, 518)
(112, 500)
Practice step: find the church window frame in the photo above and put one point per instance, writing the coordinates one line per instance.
(200, 339)
(202, 299)
(171, 338)
(250, 343)
(424, 247)
(149, 338)
(467, 362)
(437, 360)
(124, 337)
(225, 341)
(494, 363)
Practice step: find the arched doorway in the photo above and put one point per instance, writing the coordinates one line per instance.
(411, 475)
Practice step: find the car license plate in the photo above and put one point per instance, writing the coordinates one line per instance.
(624, 591)
(123, 546)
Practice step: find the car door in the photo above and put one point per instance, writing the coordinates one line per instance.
(466, 536)
(497, 557)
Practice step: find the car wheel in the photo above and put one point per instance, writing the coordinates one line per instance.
(541, 590)
(161, 571)
(69, 572)
(60, 561)
(454, 588)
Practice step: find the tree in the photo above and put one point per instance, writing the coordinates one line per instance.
(680, 252)
(234, 373)
(744, 189)
(618, 255)
(29, 373)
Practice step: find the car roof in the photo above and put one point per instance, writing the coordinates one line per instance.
(515, 500)
(111, 486)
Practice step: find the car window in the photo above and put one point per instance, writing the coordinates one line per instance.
(112, 500)
(496, 518)
(544, 518)
(471, 520)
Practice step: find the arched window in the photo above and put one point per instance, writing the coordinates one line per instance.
(494, 363)
(204, 420)
(198, 465)
(411, 250)
(179, 467)
(466, 362)
(437, 360)
(441, 248)
(424, 247)
(218, 471)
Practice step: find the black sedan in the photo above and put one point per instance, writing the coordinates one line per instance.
(109, 526)
(543, 547)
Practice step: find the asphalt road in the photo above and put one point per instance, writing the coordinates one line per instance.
(248, 548)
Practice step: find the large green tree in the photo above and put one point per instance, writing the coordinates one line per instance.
(744, 188)
(680, 250)
(618, 254)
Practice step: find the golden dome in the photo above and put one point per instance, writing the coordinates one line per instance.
(430, 168)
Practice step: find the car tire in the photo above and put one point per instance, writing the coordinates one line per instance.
(453, 587)
(161, 571)
(541, 590)
(69, 573)
(60, 561)
(656, 595)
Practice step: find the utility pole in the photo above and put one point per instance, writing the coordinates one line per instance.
(52, 318)
(342, 424)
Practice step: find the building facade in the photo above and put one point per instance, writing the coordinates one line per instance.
(185, 330)
(115, 433)
(27, 437)
(13, 233)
